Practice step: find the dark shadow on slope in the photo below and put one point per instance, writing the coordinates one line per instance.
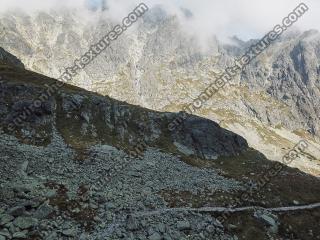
(84, 118)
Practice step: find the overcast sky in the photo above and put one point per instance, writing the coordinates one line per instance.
(244, 18)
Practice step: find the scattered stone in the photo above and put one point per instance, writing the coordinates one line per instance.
(11, 227)
(155, 236)
(210, 229)
(17, 211)
(5, 232)
(269, 219)
(5, 218)
(20, 235)
(183, 225)
(161, 228)
(24, 166)
(50, 193)
(134, 174)
(25, 222)
(70, 232)
(43, 211)
(217, 223)
(231, 227)
(295, 202)
(52, 236)
(132, 225)
(109, 205)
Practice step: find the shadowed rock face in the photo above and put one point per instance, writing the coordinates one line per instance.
(8, 58)
(207, 139)
(84, 119)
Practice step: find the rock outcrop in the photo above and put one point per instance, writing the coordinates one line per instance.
(33, 107)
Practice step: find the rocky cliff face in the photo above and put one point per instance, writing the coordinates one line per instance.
(289, 72)
(83, 119)
(273, 103)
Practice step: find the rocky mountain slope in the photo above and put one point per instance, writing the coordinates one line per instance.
(273, 103)
(83, 166)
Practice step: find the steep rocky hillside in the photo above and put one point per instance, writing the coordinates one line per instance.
(79, 165)
(84, 119)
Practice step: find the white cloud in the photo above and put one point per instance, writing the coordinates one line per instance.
(244, 18)
(38, 5)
